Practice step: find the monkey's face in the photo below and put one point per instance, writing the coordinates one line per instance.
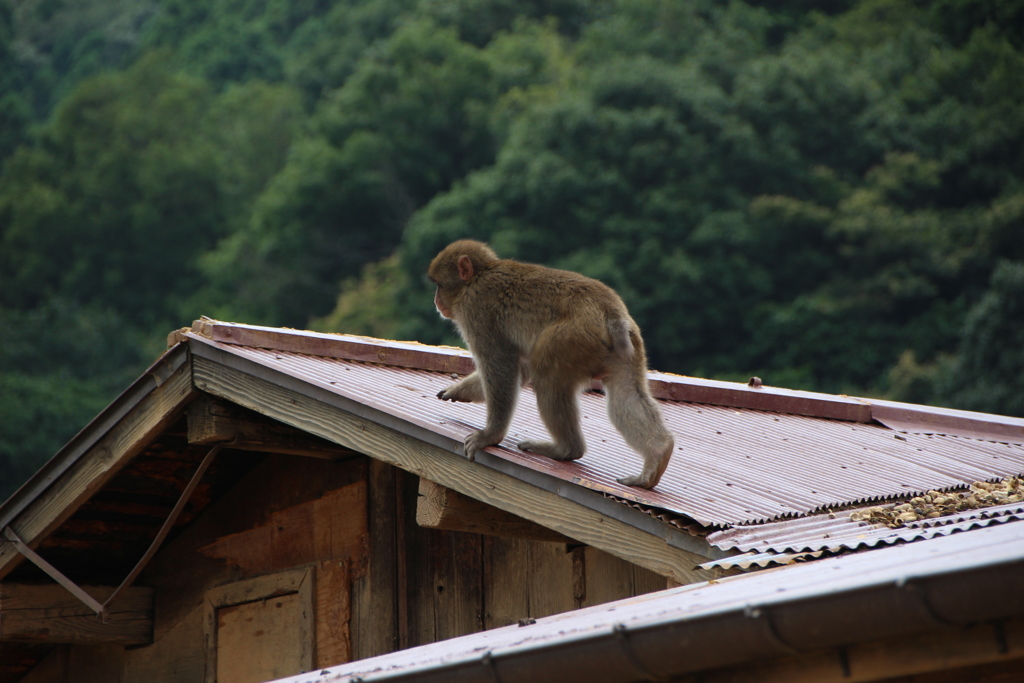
(442, 307)
(452, 271)
(444, 272)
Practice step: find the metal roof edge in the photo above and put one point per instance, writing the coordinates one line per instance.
(80, 444)
(751, 560)
(777, 613)
(918, 419)
(761, 397)
(344, 346)
(594, 500)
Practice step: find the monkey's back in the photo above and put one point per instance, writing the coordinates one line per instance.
(523, 301)
(552, 293)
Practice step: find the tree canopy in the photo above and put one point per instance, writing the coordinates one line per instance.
(829, 195)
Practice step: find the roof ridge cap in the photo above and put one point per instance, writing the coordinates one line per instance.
(409, 354)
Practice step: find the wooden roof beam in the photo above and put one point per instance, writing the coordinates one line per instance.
(60, 494)
(754, 396)
(455, 360)
(342, 346)
(50, 614)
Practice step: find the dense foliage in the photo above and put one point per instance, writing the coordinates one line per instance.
(829, 195)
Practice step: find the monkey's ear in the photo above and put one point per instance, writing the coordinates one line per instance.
(465, 267)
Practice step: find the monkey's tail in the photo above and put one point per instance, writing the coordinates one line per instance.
(619, 330)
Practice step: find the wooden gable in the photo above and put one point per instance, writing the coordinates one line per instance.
(320, 541)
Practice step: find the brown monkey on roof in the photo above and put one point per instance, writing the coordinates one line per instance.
(560, 330)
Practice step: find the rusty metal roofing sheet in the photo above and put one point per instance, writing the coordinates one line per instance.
(837, 532)
(731, 466)
(753, 560)
(923, 580)
(904, 417)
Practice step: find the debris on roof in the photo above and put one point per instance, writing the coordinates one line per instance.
(935, 504)
(831, 533)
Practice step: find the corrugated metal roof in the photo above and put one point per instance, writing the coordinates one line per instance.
(812, 590)
(792, 539)
(837, 531)
(754, 560)
(732, 465)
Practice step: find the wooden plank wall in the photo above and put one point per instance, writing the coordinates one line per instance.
(289, 511)
(375, 599)
(382, 583)
(461, 583)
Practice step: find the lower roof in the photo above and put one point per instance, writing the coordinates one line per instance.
(791, 540)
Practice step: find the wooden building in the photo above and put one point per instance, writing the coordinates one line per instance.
(291, 553)
(267, 502)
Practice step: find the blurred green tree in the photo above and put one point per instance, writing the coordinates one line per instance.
(990, 359)
(117, 200)
(411, 120)
(60, 364)
(15, 110)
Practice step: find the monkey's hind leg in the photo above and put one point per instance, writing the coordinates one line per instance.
(559, 408)
(638, 418)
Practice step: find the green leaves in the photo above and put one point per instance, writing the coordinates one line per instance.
(826, 195)
(115, 203)
(417, 115)
(990, 359)
(60, 364)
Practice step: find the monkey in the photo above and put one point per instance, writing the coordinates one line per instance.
(559, 329)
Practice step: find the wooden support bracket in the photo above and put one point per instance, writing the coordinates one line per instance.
(442, 508)
(212, 420)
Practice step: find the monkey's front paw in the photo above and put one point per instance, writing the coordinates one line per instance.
(549, 449)
(477, 441)
(452, 393)
(636, 480)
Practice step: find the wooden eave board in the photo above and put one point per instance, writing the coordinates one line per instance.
(82, 443)
(102, 540)
(97, 454)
